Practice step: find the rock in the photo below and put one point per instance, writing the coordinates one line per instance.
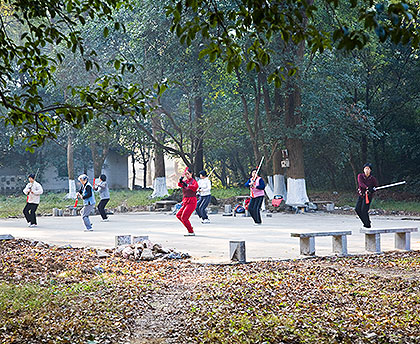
(148, 244)
(121, 209)
(65, 246)
(40, 244)
(122, 240)
(102, 254)
(147, 254)
(127, 252)
(120, 249)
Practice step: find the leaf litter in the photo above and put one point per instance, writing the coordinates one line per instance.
(67, 295)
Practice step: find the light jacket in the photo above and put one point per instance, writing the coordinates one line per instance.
(103, 189)
(204, 185)
(34, 196)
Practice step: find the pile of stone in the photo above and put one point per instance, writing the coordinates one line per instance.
(141, 249)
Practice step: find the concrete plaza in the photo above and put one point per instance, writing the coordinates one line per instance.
(271, 240)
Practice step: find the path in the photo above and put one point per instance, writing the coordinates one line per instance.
(270, 241)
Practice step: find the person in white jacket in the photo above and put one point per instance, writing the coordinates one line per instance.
(33, 190)
(204, 187)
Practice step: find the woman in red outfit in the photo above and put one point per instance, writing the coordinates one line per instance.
(189, 201)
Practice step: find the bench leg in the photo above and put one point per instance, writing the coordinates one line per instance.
(307, 246)
(339, 244)
(373, 243)
(402, 241)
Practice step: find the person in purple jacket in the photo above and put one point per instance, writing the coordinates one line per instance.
(367, 183)
(256, 185)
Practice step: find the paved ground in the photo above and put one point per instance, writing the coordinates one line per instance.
(270, 241)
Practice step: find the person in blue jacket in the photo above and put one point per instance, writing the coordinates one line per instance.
(86, 193)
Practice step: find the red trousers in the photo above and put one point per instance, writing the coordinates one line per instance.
(188, 206)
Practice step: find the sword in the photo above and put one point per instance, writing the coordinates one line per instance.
(389, 185)
(262, 159)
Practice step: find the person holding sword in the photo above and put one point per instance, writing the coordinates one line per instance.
(189, 201)
(256, 185)
(367, 186)
(86, 193)
(33, 190)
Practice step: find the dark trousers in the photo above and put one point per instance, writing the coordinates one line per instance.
(202, 204)
(362, 210)
(254, 208)
(101, 208)
(29, 212)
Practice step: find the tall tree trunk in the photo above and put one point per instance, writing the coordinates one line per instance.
(296, 185)
(364, 149)
(159, 182)
(354, 169)
(199, 155)
(133, 166)
(145, 174)
(98, 158)
(70, 166)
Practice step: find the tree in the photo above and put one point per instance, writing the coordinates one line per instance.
(293, 23)
(29, 32)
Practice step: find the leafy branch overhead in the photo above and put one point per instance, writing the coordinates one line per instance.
(35, 37)
(224, 25)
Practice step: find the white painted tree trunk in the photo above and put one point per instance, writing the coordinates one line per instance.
(276, 186)
(159, 187)
(72, 189)
(296, 192)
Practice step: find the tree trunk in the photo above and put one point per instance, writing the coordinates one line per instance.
(296, 185)
(364, 149)
(354, 169)
(199, 155)
(159, 182)
(133, 164)
(145, 174)
(70, 166)
(98, 158)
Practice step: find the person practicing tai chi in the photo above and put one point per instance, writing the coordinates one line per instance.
(189, 201)
(257, 186)
(103, 189)
(204, 187)
(33, 190)
(86, 193)
(367, 184)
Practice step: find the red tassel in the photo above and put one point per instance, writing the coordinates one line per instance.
(367, 197)
(75, 204)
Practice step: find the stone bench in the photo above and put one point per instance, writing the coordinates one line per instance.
(329, 205)
(373, 238)
(307, 241)
(165, 204)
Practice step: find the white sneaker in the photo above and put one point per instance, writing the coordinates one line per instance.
(205, 221)
(33, 225)
(29, 224)
(105, 220)
(189, 234)
(88, 230)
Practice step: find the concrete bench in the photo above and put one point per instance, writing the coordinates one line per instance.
(373, 238)
(328, 205)
(307, 242)
(165, 204)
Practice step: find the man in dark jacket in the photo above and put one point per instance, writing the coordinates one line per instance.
(367, 183)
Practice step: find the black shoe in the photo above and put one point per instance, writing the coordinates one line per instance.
(367, 226)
